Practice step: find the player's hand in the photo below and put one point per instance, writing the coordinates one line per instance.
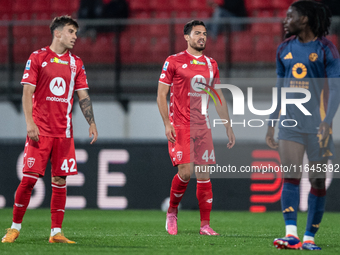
(231, 136)
(33, 131)
(270, 138)
(324, 130)
(170, 133)
(93, 132)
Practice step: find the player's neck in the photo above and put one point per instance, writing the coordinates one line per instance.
(57, 48)
(306, 36)
(194, 52)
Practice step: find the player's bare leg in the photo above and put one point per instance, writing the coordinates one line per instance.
(205, 198)
(316, 202)
(178, 188)
(291, 154)
(22, 199)
(58, 202)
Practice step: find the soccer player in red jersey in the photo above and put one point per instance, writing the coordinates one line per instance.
(188, 130)
(52, 75)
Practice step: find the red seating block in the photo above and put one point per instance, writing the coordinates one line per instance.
(160, 49)
(139, 5)
(22, 49)
(265, 49)
(242, 47)
(83, 49)
(103, 49)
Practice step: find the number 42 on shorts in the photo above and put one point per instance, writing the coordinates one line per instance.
(206, 156)
(65, 166)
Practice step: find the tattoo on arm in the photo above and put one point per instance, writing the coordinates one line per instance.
(86, 108)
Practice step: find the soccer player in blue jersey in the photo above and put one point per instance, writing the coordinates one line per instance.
(306, 59)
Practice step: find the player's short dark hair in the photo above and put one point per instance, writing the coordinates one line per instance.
(61, 21)
(319, 15)
(188, 27)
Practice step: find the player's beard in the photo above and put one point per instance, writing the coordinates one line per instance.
(196, 47)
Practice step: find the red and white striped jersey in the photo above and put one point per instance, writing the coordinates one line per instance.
(55, 78)
(187, 74)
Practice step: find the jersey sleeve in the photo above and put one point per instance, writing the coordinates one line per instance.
(332, 61)
(168, 71)
(217, 75)
(280, 69)
(81, 79)
(31, 71)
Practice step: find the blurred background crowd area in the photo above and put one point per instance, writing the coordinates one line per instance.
(124, 43)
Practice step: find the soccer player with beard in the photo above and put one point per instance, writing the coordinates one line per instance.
(188, 131)
(306, 59)
(52, 75)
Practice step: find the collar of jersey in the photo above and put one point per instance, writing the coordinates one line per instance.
(59, 56)
(193, 55)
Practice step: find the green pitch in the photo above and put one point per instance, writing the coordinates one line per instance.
(143, 232)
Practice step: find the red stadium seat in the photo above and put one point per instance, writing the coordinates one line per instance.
(281, 4)
(199, 5)
(22, 49)
(41, 42)
(242, 47)
(262, 4)
(217, 49)
(22, 31)
(181, 15)
(264, 28)
(265, 49)
(139, 5)
(103, 49)
(21, 6)
(333, 39)
(3, 50)
(180, 45)
(180, 5)
(160, 49)
(83, 49)
(160, 5)
(141, 50)
(41, 6)
(126, 42)
(160, 29)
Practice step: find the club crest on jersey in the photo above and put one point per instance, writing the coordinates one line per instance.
(313, 57)
(165, 67)
(196, 62)
(28, 65)
(58, 61)
(179, 155)
(30, 162)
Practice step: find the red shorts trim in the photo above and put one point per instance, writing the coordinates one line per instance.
(192, 145)
(59, 150)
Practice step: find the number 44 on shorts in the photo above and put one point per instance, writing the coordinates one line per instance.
(206, 156)
(65, 166)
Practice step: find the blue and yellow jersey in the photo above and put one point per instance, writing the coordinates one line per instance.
(308, 65)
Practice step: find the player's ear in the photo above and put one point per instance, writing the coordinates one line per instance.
(186, 37)
(304, 20)
(56, 33)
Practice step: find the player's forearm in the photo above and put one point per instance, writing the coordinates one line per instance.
(223, 112)
(333, 101)
(163, 109)
(27, 105)
(87, 110)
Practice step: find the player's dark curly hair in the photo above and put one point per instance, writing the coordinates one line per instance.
(62, 21)
(188, 27)
(319, 16)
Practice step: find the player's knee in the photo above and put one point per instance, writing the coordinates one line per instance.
(318, 183)
(185, 176)
(60, 180)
